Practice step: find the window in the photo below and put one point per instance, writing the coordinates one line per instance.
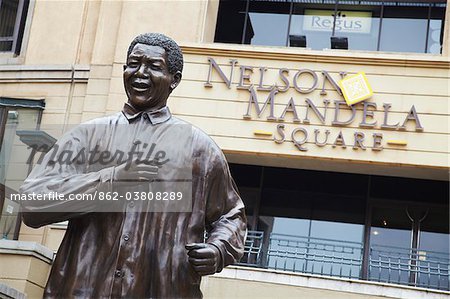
(314, 24)
(307, 225)
(398, 26)
(12, 22)
(412, 29)
(386, 229)
(16, 115)
(269, 22)
(360, 24)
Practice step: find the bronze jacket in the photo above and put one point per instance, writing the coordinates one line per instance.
(122, 249)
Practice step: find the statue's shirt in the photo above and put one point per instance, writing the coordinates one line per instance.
(132, 253)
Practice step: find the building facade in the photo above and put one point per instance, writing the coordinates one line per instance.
(342, 201)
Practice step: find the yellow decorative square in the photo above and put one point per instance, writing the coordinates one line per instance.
(355, 88)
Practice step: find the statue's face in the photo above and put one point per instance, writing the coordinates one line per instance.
(146, 77)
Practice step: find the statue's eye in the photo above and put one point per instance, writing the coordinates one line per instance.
(133, 64)
(156, 66)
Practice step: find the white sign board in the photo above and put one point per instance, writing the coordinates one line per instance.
(346, 21)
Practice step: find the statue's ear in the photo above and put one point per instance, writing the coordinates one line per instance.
(176, 80)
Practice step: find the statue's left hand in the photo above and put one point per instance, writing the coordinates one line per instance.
(204, 258)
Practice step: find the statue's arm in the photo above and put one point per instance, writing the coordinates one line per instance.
(56, 173)
(225, 213)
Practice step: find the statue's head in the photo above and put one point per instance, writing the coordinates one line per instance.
(152, 71)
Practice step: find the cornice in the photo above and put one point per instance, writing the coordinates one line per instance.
(43, 73)
(325, 56)
(27, 248)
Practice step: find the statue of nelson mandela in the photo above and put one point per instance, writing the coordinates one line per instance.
(130, 252)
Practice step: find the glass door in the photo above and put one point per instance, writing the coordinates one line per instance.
(14, 163)
(433, 250)
(409, 244)
(390, 243)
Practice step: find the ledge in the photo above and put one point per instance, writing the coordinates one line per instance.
(44, 73)
(329, 283)
(26, 248)
(324, 56)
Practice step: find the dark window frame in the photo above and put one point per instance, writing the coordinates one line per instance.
(260, 179)
(19, 27)
(338, 3)
(5, 105)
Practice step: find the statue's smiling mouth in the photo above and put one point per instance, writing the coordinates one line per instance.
(140, 86)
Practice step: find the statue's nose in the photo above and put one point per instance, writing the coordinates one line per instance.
(142, 71)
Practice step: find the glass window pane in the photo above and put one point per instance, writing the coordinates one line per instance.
(404, 29)
(268, 22)
(316, 227)
(360, 24)
(288, 243)
(315, 22)
(5, 46)
(348, 232)
(320, 247)
(406, 189)
(230, 22)
(290, 226)
(248, 180)
(14, 155)
(390, 245)
(335, 248)
(436, 30)
(8, 12)
(250, 197)
(433, 254)
(434, 37)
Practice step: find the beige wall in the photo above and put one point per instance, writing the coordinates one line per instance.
(241, 282)
(50, 236)
(399, 79)
(25, 266)
(25, 274)
(232, 288)
(48, 44)
(99, 31)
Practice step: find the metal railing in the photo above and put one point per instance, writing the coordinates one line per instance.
(412, 267)
(253, 249)
(388, 264)
(314, 255)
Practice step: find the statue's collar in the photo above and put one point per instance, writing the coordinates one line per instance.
(154, 116)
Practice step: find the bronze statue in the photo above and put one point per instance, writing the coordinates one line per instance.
(129, 252)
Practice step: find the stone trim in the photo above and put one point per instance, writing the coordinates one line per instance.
(330, 283)
(43, 73)
(324, 56)
(27, 248)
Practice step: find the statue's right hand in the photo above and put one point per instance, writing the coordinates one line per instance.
(135, 172)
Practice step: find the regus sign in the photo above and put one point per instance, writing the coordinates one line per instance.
(346, 21)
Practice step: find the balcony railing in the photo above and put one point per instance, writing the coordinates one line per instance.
(414, 267)
(314, 255)
(253, 249)
(345, 259)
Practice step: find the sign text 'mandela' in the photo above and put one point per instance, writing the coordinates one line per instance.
(300, 135)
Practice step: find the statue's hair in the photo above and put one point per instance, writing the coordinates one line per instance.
(174, 54)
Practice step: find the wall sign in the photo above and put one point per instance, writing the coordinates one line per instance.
(262, 99)
(346, 21)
